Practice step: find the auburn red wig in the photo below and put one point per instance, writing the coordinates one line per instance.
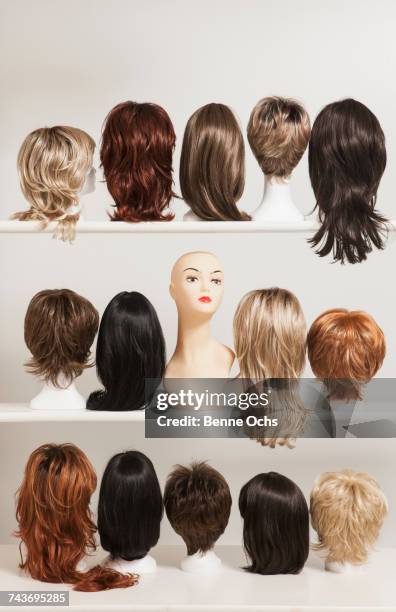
(55, 523)
(136, 156)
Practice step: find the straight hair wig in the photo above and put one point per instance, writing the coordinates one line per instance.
(130, 351)
(130, 506)
(212, 164)
(55, 523)
(347, 158)
(60, 327)
(197, 501)
(345, 349)
(278, 133)
(347, 511)
(275, 524)
(53, 163)
(136, 155)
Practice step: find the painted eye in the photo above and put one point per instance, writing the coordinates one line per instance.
(216, 281)
(191, 279)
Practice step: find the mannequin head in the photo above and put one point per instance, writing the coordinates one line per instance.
(345, 349)
(212, 164)
(60, 327)
(275, 524)
(198, 504)
(130, 349)
(130, 506)
(347, 158)
(136, 155)
(55, 167)
(278, 134)
(347, 512)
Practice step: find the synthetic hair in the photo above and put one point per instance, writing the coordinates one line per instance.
(278, 133)
(198, 504)
(345, 349)
(55, 523)
(347, 158)
(53, 163)
(130, 350)
(60, 327)
(136, 155)
(130, 506)
(347, 511)
(275, 524)
(212, 164)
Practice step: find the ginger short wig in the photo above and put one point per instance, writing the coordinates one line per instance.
(60, 327)
(345, 349)
(53, 163)
(212, 164)
(275, 524)
(54, 520)
(347, 158)
(136, 155)
(347, 511)
(198, 504)
(278, 133)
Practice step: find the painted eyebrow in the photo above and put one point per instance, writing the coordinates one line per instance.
(195, 269)
(217, 271)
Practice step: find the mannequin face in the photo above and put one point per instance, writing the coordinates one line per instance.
(90, 182)
(197, 283)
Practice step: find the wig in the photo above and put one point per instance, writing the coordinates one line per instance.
(130, 506)
(198, 504)
(278, 134)
(60, 327)
(55, 523)
(130, 351)
(347, 159)
(212, 164)
(53, 164)
(347, 511)
(136, 155)
(275, 524)
(345, 349)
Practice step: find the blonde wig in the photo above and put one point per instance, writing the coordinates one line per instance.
(347, 511)
(278, 133)
(53, 163)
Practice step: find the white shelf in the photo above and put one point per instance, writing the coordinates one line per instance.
(371, 589)
(12, 413)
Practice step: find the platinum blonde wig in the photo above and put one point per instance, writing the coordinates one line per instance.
(347, 512)
(53, 163)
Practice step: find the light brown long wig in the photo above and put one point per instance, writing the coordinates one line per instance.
(55, 523)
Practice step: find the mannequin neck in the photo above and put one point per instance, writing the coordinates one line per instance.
(201, 563)
(341, 568)
(193, 334)
(63, 397)
(145, 565)
(277, 202)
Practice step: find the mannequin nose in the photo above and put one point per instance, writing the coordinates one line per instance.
(205, 285)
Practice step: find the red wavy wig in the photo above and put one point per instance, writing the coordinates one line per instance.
(138, 140)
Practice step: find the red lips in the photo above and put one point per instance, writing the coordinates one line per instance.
(205, 299)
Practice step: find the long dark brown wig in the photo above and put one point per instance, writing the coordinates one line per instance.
(136, 156)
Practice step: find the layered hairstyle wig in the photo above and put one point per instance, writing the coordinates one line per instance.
(55, 523)
(197, 501)
(347, 158)
(275, 524)
(347, 511)
(53, 163)
(130, 352)
(136, 155)
(60, 327)
(212, 164)
(130, 506)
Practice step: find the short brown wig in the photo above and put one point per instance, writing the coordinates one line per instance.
(198, 504)
(60, 327)
(278, 133)
(345, 349)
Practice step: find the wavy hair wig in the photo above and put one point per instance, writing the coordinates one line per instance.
(130, 506)
(212, 164)
(60, 327)
(53, 163)
(347, 511)
(136, 155)
(197, 501)
(347, 158)
(130, 351)
(55, 523)
(275, 524)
